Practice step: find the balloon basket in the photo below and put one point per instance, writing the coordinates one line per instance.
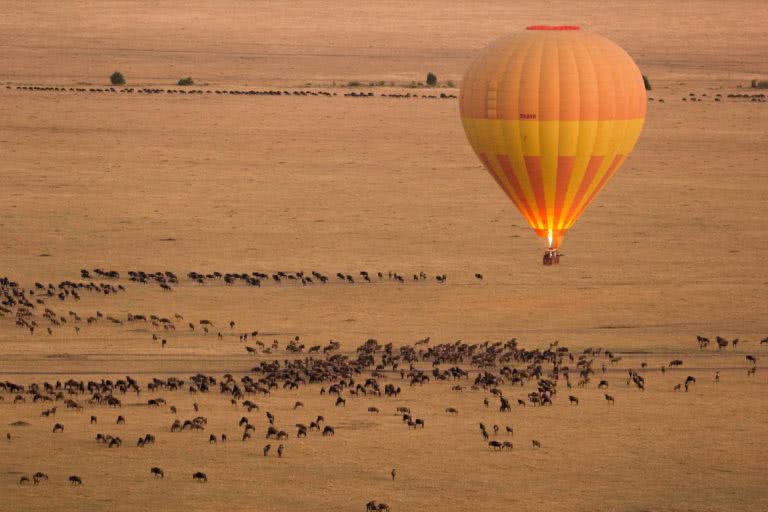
(551, 257)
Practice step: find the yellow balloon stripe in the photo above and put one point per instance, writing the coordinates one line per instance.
(552, 169)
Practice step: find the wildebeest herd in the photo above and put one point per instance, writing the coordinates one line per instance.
(379, 377)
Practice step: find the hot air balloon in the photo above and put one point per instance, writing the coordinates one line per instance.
(552, 112)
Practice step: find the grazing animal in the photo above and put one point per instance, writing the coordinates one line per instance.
(75, 480)
(329, 431)
(452, 410)
(266, 449)
(535, 443)
(510, 431)
(157, 472)
(94, 420)
(58, 428)
(199, 476)
(690, 380)
(573, 400)
(120, 420)
(280, 451)
(393, 473)
(609, 399)
(495, 445)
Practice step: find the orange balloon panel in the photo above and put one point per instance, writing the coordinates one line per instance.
(552, 113)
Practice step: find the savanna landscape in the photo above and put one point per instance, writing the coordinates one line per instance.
(303, 239)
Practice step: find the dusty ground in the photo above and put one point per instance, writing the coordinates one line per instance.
(669, 250)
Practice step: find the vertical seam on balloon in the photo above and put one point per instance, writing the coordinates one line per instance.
(561, 195)
(536, 174)
(550, 209)
(583, 184)
(530, 199)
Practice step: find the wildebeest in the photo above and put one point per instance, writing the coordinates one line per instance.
(157, 472)
(75, 480)
(329, 431)
(573, 400)
(58, 428)
(609, 399)
(535, 443)
(199, 476)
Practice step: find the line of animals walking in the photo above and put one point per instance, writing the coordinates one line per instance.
(23, 304)
(229, 92)
(691, 97)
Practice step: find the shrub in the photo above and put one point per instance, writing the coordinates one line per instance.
(450, 83)
(431, 79)
(353, 83)
(647, 83)
(117, 78)
(186, 81)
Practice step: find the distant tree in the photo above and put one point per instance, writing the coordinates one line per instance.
(431, 79)
(117, 78)
(647, 83)
(186, 81)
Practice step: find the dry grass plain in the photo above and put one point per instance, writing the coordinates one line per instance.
(671, 249)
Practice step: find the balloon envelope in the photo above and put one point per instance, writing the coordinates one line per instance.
(552, 113)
